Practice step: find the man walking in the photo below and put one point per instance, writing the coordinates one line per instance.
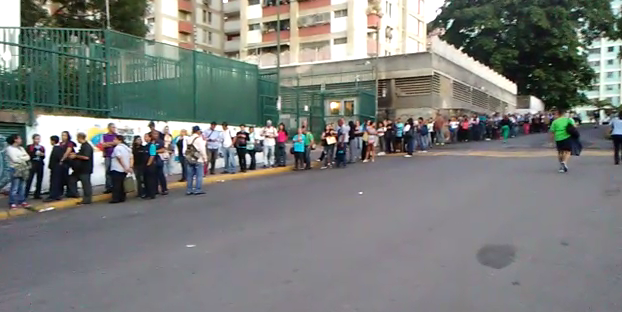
(214, 140)
(108, 145)
(562, 138)
(82, 170)
(269, 133)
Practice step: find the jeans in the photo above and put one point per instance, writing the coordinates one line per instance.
(354, 150)
(212, 155)
(118, 188)
(139, 174)
(182, 162)
(422, 141)
(281, 155)
(410, 145)
(108, 184)
(329, 153)
(268, 155)
(161, 179)
(229, 153)
(87, 188)
(440, 136)
(37, 169)
(166, 167)
(151, 181)
(194, 171)
(307, 157)
(617, 146)
(56, 182)
(242, 158)
(299, 159)
(381, 146)
(251, 153)
(16, 193)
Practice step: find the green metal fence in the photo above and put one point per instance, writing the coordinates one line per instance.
(101, 72)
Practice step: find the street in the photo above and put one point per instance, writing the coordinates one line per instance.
(430, 233)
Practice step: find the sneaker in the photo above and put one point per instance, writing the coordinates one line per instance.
(323, 167)
(408, 156)
(564, 167)
(25, 205)
(366, 160)
(14, 206)
(424, 151)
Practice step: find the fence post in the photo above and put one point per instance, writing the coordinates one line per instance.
(108, 80)
(31, 98)
(195, 93)
(297, 102)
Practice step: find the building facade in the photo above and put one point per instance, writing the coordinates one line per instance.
(191, 24)
(322, 30)
(603, 56)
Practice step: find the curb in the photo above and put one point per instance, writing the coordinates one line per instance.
(73, 202)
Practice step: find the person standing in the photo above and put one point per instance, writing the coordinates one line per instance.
(562, 138)
(19, 168)
(120, 166)
(140, 154)
(55, 166)
(214, 140)
(159, 164)
(36, 151)
(329, 140)
(422, 135)
(299, 149)
(343, 132)
(269, 142)
(506, 126)
(439, 129)
(150, 172)
(108, 145)
(168, 151)
(251, 146)
(228, 148)
(381, 139)
(399, 133)
(240, 141)
(389, 136)
(196, 155)
(409, 137)
(371, 142)
(281, 140)
(616, 137)
(82, 170)
(181, 150)
(68, 147)
(309, 145)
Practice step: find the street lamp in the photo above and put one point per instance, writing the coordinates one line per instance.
(107, 14)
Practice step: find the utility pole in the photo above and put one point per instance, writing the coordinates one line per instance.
(107, 14)
(375, 67)
(278, 50)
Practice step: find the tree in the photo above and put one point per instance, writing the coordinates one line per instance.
(127, 16)
(538, 44)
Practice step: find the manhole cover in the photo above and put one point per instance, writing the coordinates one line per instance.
(496, 256)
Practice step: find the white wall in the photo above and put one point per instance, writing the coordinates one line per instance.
(94, 128)
(170, 27)
(254, 11)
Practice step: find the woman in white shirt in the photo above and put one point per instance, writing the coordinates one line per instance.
(121, 164)
(616, 136)
(19, 168)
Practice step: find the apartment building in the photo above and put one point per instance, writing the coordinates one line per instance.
(322, 30)
(603, 56)
(191, 24)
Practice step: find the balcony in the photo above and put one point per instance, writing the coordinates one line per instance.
(271, 36)
(232, 45)
(314, 30)
(373, 20)
(231, 7)
(185, 27)
(186, 45)
(312, 4)
(232, 27)
(272, 9)
(184, 5)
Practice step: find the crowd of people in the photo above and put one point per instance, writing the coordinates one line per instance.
(145, 163)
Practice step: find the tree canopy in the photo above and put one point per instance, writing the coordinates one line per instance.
(126, 16)
(538, 44)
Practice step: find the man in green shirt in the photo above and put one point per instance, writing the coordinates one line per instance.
(563, 139)
(309, 143)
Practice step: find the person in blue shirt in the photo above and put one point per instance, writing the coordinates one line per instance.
(299, 150)
(399, 134)
(150, 170)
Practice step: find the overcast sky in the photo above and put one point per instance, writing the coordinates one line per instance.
(430, 9)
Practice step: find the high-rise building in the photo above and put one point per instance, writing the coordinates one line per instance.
(322, 30)
(191, 24)
(604, 57)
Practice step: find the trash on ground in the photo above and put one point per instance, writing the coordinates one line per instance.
(191, 246)
(47, 209)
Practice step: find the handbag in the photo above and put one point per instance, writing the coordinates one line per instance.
(128, 184)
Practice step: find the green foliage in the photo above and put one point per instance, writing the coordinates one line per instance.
(538, 44)
(126, 16)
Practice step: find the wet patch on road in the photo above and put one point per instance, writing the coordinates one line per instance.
(496, 256)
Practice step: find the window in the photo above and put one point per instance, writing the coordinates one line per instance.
(348, 108)
(389, 6)
(209, 17)
(334, 108)
(610, 75)
(204, 16)
(253, 2)
(253, 27)
(387, 53)
(594, 51)
(209, 37)
(611, 49)
(184, 16)
(341, 13)
(204, 35)
(609, 62)
(343, 40)
(595, 63)
(609, 87)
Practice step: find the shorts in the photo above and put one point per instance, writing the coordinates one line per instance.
(564, 145)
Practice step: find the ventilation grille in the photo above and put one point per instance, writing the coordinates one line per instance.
(461, 92)
(383, 86)
(480, 99)
(414, 85)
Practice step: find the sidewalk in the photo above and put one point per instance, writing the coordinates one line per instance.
(173, 183)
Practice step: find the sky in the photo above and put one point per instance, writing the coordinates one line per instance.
(430, 9)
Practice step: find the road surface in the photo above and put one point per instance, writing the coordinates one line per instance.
(430, 233)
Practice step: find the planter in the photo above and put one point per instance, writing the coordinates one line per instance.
(373, 20)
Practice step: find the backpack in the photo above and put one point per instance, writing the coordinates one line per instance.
(192, 155)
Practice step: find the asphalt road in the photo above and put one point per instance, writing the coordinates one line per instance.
(447, 234)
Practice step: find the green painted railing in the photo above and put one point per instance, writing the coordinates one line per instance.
(100, 72)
